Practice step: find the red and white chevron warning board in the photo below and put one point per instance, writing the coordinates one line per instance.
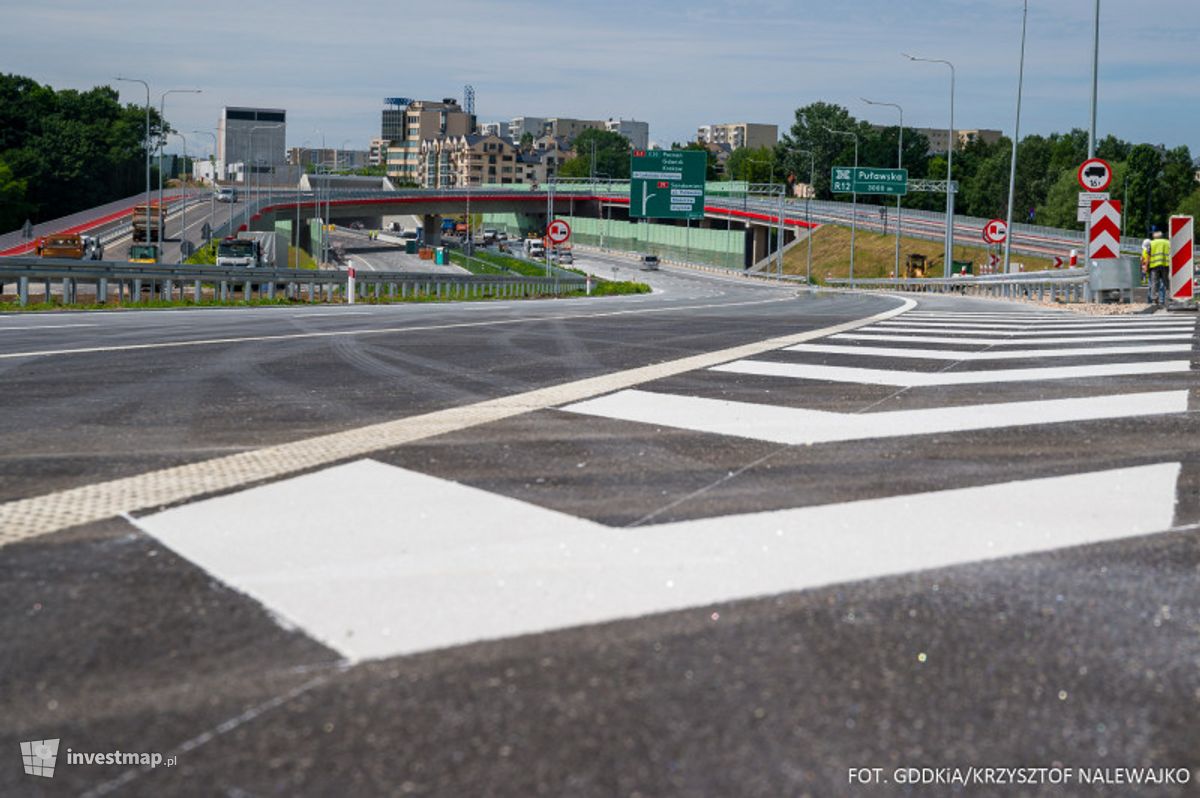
(1182, 257)
(1105, 241)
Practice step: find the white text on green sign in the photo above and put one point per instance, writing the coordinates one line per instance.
(868, 180)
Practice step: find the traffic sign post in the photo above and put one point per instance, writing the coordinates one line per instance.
(995, 231)
(1094, 174)
(558, 231)
(868, 180)
(350, 285)
(667, 184)
(1085, 203)
(1182, 258)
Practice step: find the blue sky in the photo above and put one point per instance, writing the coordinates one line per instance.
(674, 65)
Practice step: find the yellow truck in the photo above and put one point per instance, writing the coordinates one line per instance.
(61, 245)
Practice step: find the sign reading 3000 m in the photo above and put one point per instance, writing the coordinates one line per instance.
(667, 184)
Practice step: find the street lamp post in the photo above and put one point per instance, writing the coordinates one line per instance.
(853, 198)
(183, 213)
(212, 200)
(147, 85)
(950, 142)
(812, 174)
(1012, 166)
(162, 110)
(899, 165)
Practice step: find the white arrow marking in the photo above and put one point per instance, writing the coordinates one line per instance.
(792, 425)
(913, 379)
(466, 565)
(1006, 354)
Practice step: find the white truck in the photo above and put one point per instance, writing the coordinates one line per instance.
(253, 249)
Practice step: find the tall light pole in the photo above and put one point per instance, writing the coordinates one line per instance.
(183, 213)
(162, 110)
(147, 85)
(1095, 78)
(853, 197)
(812, 174)
(950, 142)
(899, 165)
(212, 200)
(1012, 167)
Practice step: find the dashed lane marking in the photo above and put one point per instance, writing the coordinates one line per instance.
(27, 518)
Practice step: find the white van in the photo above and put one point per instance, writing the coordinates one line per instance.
(534, 248)
(649, 263)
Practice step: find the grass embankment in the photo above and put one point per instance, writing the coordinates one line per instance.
(494, 263)
(875, 255)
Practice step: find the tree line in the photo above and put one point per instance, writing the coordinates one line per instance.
(63, 151)
(1153, 181)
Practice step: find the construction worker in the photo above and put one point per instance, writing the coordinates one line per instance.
(1159, 265)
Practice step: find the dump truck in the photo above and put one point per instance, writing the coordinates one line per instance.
(61, 245)
(147, 221)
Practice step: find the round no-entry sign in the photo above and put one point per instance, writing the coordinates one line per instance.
(558, 232)
(1094, 174)
(995, 231)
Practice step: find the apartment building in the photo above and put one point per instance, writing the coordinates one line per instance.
(424, 120)
(739, 134)
(468, 160)
(637, 132)
(520, 125)
(377, 153)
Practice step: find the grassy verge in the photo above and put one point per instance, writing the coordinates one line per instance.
(493, 263)
(875, 253)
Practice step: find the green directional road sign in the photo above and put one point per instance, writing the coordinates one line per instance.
(868, 180)
(667, 184)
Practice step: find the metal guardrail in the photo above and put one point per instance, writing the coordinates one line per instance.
(1068, 285)
(169, 282)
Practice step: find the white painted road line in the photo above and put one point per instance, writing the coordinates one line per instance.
(27, 518)
(943, 325)
(1006, 354)
(797, 426)
(914, 379)
(934, 339)
(466, 565)
(6, 328)
(335, 313)
(381, 330)
(1035, 332)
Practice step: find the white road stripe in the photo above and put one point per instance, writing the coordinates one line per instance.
(937, 325)
(381, 330)
(6, 328)
(27, 518)
(793, 425)
(914, 379)
(1032, 332)
(1007, 354)
(934, 339)
(467, 565)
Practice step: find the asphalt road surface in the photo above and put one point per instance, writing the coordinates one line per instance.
(725, 539)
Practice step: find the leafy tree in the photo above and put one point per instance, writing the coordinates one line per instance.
(754, 165)
(70, 149)
(611, 155)
(526, 141)
(811, 132)
(14, 209)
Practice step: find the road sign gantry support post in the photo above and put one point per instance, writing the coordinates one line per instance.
(854, 199)
(899, 197)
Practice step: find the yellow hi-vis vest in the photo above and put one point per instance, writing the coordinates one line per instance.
(1160, 253)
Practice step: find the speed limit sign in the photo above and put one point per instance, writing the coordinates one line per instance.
(559, 232)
